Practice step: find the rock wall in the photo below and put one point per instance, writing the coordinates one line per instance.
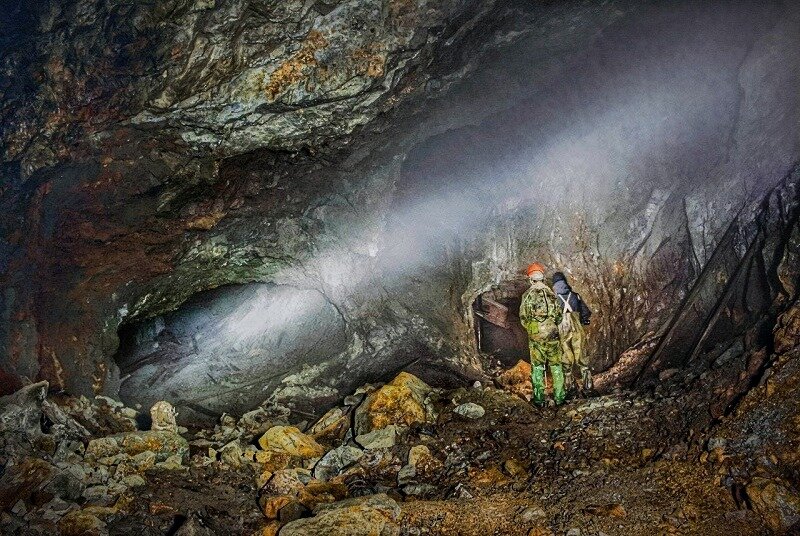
(393, 159)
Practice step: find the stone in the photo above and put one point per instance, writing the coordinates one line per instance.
(515, 468)
(406, 475)
(293, 511)
(194, 527)
(381, 438)
(96, 493)
(318, 492)
(419, 489)
(163, 416)
(335, 461)
(160, 442)
(401, 402)
(284, 482)
(21, 479)
(232, 454)
(21, 417)
(66, 484)
(470, 410)
(362, 516)
(270, 529)
(517, 379)
(256, 422)
(80, 523)
(134, 481)
(136, 464)
(776, 503)
(291, 441)
(271, 505)
(272, 461)
(530, 514)
(716, 442)
(574, 532)
(332, 426)
(489, 477)
(418, 454)
(56, 509)
(354, 399)
(172, 463)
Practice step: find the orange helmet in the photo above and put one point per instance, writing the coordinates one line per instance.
(535, 267)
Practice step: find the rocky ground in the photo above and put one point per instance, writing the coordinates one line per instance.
(406, 458)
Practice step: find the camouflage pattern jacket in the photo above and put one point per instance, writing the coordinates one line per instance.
(539, 312)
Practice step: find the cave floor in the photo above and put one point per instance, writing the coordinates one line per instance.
(619, 464)
(607, 465)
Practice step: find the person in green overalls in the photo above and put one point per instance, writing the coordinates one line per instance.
(540, 315)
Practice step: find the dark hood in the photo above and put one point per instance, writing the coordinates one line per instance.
(561, 287)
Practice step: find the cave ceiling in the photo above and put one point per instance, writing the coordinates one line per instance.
(376, 164)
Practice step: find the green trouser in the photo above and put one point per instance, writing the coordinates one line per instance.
(546, 352)
(573, 346)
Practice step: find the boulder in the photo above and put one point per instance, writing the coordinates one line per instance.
(331, 426)
(374, 515)
(381, 438)
(336, 461)
(80, 523)
(777, 504)
(232, 454)
(470, 410)
(163, 416)
(401, 402)
(517, 379)
(20, 480)
(162, 443)
(21, 417)
(256, 422)
(291, 441)
(284, 482)
(417, 454)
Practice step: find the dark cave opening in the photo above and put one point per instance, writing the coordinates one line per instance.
(498, 330)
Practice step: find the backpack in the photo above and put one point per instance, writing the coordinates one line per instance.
(566, 318)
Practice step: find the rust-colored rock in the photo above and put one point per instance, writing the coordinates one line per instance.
(332, 426)
(517, 379)
(271, 505)
(400, 402)
(22, 479)
(290, 441)
(778, 505)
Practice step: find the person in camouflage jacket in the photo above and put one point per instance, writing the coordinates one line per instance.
(540, 315)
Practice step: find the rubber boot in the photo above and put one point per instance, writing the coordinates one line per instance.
(586, 377)
(537, 378)
(558, 384)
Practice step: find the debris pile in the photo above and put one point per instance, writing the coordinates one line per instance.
(407, 458)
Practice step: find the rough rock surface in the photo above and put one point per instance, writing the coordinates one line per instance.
(151, 154)
(365, 516)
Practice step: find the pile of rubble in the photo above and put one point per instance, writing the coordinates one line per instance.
(399, 458)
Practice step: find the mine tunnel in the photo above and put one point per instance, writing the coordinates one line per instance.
(299, 268)
(498, 330)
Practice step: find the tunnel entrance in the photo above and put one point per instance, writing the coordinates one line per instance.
(497, 327)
